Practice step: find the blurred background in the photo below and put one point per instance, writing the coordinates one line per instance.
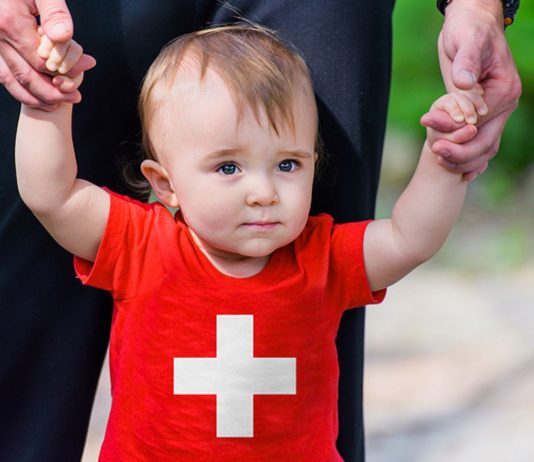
(450, 353)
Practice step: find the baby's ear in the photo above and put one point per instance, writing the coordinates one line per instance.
(161, 183)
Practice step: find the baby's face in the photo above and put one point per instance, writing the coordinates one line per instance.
(243, 190)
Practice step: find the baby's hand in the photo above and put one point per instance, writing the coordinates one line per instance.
(60, 58)
(463, 109)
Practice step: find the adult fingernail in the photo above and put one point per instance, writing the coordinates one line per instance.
(60, 28)
(445, 154)
(62, 69)
(468, 76)
(483, 110)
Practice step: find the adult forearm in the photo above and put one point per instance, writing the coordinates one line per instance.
(45, 160)
(425, 213)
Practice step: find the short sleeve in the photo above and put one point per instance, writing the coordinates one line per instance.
(347, 266)
(128, 254)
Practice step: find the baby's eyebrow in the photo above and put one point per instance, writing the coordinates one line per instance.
(297, 153)
(230, 152)
(222, 153)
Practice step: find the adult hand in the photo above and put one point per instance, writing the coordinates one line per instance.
(472, 48)
(22, 70)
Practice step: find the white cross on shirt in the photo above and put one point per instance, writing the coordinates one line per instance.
(235, 376)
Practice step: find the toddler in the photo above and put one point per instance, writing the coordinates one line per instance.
(225, 314)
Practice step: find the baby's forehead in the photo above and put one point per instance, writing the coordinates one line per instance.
(195, 81)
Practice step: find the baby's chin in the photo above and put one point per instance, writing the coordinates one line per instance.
(259, 248)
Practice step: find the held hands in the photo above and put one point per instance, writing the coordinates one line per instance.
(22, 70)
(61, 57)
(460, 111)
(472, 49)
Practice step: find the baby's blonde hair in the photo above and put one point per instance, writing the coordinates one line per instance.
(261, 71)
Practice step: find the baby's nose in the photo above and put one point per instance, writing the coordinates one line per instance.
(262, 191)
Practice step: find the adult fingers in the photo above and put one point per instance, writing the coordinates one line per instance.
(484, 146)
(475, 166)
(55, 19)
(466, 65)
(445, 62)
(66, 84)
(85, 63)
(18, 30)
(462, 135)
(470, 176)
(18, 74)
(441, 121)
(17, 90)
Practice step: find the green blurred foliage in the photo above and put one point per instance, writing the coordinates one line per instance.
(417, 82)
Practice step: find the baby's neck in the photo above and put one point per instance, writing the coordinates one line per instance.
(238, 268)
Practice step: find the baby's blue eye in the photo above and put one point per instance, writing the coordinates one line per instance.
(287, 165)
(228, 169)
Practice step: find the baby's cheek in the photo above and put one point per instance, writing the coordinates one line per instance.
(210, 219)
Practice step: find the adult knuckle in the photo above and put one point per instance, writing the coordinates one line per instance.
(486, 146)
(516, 90)
(5, 78)
(512, 88)
(492, 152)
(23, 77)
(54, 12)
(7, 19)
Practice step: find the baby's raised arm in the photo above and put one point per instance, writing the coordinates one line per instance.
(73, 211)
(427, 209)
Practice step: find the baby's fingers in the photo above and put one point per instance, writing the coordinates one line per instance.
(450, 105)
(73, 54)
(471, 106)
(56, 56)
(45, 47)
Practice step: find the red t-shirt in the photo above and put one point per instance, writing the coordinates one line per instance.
(207, 367)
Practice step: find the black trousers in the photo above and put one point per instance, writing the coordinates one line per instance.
(53, 331)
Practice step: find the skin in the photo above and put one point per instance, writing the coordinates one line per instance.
(243, 190)
(472, 48)
(22, 70)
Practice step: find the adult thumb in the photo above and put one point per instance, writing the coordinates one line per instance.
(55, 19)
(466, 67)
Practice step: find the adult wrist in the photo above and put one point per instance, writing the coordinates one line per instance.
(507, 8)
